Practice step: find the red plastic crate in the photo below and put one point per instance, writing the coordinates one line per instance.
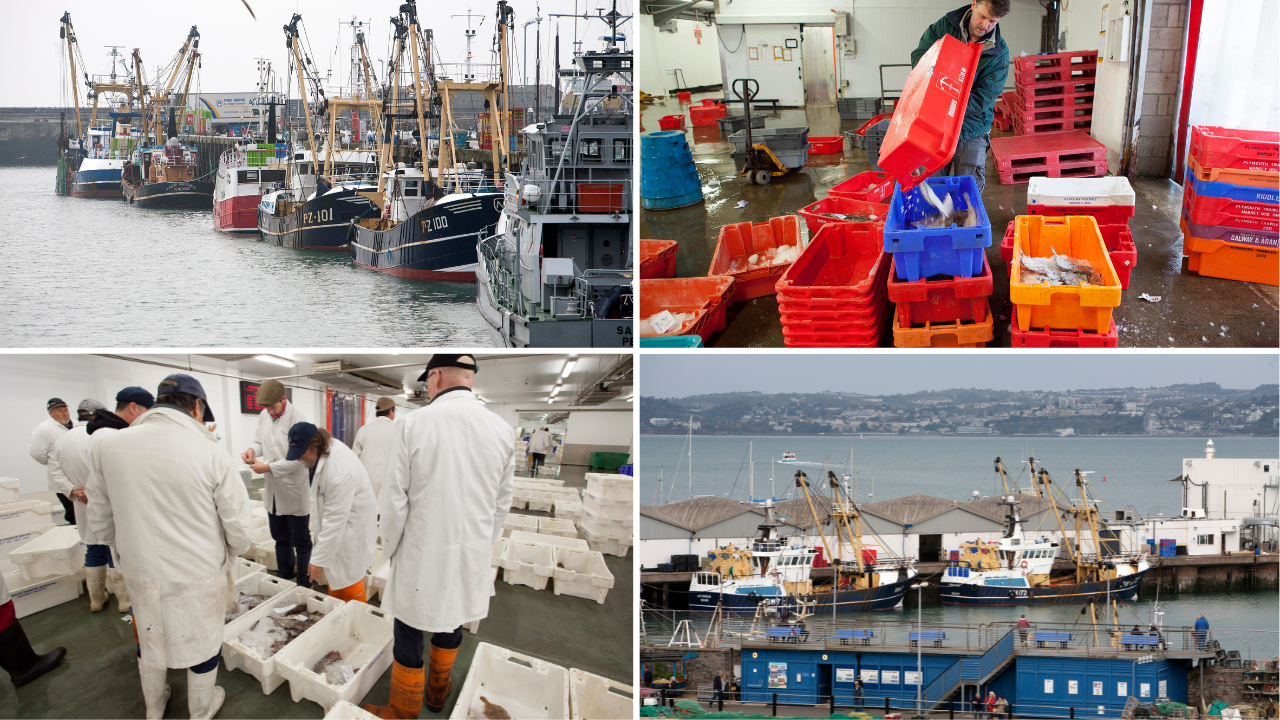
(869, 186)
(826, 145)
(940, 301)
(706, 297)
(700, 115)
(657, 259)
(1225, 148)
(671, 122)
(1028, 152)
(842, 206)
(844, 261)
(1230, 212)
(871, 123)
(1105, 214)
(684, 97)
(741, 240)
(1247, 178)
(1060, 338)
(921, 139)
(712, 101)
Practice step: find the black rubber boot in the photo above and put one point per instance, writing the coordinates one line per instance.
(304, 567)
(21, 661)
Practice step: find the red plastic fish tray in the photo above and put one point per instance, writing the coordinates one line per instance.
(940, 301)
(657, 259)
(844, 261)
(700, 115)
(742, 240)
(712, 101)
(1230, 212)
(1041, 127)
(826, 145)
(1105, 214)
(1225, 148)
(869, 186)
(1084, 169)
(705, 297)
(922, 138)
(671, 122)
(842, 206)
(1033, 151)
(1060, 338)
(870, 123)
(684, 97)
(1120, 248)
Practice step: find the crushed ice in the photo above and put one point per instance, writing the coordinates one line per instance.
(784, 255)
(682, 319)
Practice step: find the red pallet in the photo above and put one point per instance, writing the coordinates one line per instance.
(1120, 248)
(1083, 111)
(1051, 75)
(1018, 153)
(1070, 58)
(1225, 148)
(1048, 91)
(1060, 338)
(1085, 169)
(1041, 127)
(940, 301)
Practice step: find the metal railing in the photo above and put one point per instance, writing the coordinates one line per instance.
(604, 195)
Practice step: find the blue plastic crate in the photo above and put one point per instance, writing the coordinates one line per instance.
(1244, 193)
(954, 251)
(626, 470)
(672, 341)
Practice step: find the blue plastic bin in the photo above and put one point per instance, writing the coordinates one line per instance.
(1244, 193)
(672, 341)
(626, 470)
(954, 251)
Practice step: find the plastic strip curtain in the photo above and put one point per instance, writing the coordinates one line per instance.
(345, 410)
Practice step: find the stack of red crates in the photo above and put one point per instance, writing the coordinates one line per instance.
(1053, 93)
(942, 312)
(834, 294)
(1230, 214)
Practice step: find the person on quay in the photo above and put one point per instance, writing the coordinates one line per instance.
(43, 436)
(346, 513)
(1201, 632)
(1023, 626)
(287, 495)
(447, 490)
(539, 447)
(173, 509)
(372, 442)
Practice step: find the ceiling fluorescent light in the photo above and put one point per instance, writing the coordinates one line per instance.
(633, 397)
(568, 367)
(276, 360)
(551, 399)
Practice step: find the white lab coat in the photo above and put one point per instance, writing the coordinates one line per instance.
(446, 492)
(373, 442)
(69, 469)
(42, 439)
(175, 512)
(286, 491)
(540, 442)
(346, 517)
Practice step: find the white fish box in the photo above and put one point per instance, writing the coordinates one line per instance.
(612, 527)
(555, 541)
(499, 547)
(378, 581)
(260, 583)
(264, 553)
(526, 687)
(592, 696)
(241, 567)
(238, 656)
(568, 509)
(519, 522)
(608, 545)
(57, 552)
(1080, 192)
(539, 482)
(259, 516)
(519, 498)
(344, 710)
(361, 632)
(581, 573)
(30, 597)
(9, 544)
(528, 563)
(260, 535)
(608, 485)
(9, 490)
(540, 501)
(557, 526)
(604, 507)
(375, 563)
(25, 516)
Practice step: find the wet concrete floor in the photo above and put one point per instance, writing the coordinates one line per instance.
(1192, 310)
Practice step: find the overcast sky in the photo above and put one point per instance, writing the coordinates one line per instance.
(686, 374)
(231, 40)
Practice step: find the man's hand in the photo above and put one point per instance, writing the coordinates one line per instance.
(247, 457)
(79, 495)
(260, 467)
(313, 572)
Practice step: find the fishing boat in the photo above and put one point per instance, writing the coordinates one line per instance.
(429, 227)
(245, 173)
(788, 457)
(773, 570)
(1018, 570)
(557, 270)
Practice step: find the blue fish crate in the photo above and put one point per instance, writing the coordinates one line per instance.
(1243, 193)
(954, 251)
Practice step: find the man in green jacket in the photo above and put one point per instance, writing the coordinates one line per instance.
(978, 22)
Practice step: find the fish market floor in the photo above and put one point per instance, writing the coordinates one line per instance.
(1192, 310)
(99, 678)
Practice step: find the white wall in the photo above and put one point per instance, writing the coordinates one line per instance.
(612, 427)
(28, 381)
(661, 52)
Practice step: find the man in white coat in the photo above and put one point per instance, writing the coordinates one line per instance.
(539, 446)
(446, 492)
(175, 512)
(42, 439)
(287, 495)
(69, 466)
(373, 442)
(347, 516)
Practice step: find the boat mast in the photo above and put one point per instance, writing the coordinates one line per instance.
(291, 41)
(192, 41)
(70, 36)
(802, 482)
(751, 462)
(142, 101)
(368, 69)
(386, 156)
(191, 66)
(690, 456)
(506, 16)
(417, 82)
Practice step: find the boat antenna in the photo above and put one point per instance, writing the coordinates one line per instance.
(751, 461)
(691, 456)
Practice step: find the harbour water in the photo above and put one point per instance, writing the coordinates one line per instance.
(101, 273)
(1138, 470)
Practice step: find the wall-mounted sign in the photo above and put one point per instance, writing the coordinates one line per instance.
(870, 676)
(1073, 687)
(791, 42)
(889, 677)
(778, 675)
(846, 674)
(249, 400)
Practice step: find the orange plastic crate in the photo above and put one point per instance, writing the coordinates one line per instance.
(1060, 306)
(1250, 178)
(705, 297)
(657, 259)
(741, 240)
(1232, 261)
(960, 333)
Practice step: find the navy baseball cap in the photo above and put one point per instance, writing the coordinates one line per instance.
(299, 437)
(135, 394)
(54, 403)
(181, 382)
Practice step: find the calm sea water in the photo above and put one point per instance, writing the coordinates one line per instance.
(101, 273)
(1137, 470)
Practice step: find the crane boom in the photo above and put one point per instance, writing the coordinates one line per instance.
(69, 35)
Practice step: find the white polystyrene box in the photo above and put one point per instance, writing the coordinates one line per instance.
(1080, 192)
(526, 687)
(527, 563)
(361, 633)
(264, 553)
(25, 516)
(552, 540)
(57, 552)
(606, 526)
(592, 696)
(30, 597)
(346, 711)
(13, 542)
(581, 573)
(240, 657)
(9, 490)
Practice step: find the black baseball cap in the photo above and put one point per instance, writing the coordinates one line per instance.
(59, 402)
(181, 382)
(439, 360)
(299, 436)
(135, 394)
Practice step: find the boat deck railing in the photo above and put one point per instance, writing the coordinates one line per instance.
(596, 193)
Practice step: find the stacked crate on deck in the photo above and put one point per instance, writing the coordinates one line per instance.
(1054, 92)
(606, 513)
(1110, 200)
(1230, 211)
(939, 279)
